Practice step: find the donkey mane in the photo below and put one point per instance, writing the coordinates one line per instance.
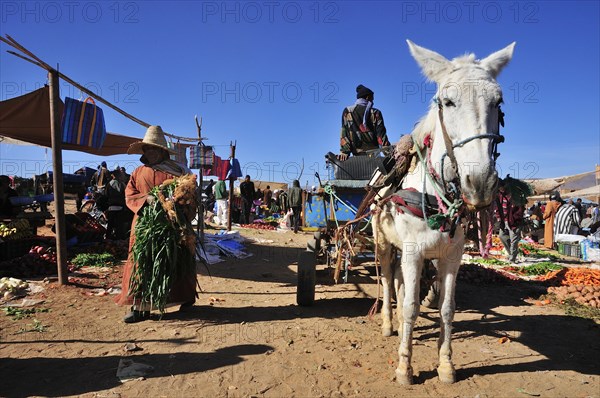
(425, 126)
(465, 59)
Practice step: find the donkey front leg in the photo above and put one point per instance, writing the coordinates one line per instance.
(387, 265)
(447, 270)
(411, 271)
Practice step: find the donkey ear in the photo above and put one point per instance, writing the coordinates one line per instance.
(433, 65)
(494, 63)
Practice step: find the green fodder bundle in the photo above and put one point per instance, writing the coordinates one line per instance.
(164, 250)
(519, 190)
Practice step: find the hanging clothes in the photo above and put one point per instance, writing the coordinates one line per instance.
(235, 171)
(220, 167)
(207, 156)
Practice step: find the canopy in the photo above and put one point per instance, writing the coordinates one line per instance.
(27, 119)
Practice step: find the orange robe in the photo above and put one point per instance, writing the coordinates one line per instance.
(142, 180)
(549, 213)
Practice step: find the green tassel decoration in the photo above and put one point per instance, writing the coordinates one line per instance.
(436, 221)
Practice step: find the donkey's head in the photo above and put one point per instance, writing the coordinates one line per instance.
(467, 100)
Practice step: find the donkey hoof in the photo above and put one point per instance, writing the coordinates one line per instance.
(404, 378)
(447, 374)
(386, 332)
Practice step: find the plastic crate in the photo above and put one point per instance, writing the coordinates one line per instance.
(72, 222)
(87, 219)
(96, 234)
(569, 249)
(575, 250)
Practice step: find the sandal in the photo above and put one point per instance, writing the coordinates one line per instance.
(134, 316)
(187, 305)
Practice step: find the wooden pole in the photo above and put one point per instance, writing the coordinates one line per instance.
(304, 200)
(200, 224)
(232, 156)
(59, 204)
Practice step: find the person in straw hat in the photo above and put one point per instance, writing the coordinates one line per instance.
(157, 167)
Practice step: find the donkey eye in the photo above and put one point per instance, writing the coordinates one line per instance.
(499, 102)
(448, 102)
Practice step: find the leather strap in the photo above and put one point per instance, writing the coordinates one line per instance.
(447, 140)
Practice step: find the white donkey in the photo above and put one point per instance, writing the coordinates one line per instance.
(457, 150)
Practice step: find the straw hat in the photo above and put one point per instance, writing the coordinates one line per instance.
(155, 136)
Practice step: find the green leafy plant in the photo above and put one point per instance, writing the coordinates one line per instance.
(541, 268)
(37, 326)
(94, 260)
(165, 243)
(531, 251)
(488, 261)
(21, 313)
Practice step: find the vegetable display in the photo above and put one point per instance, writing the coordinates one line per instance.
(41, 260)
(10, 286)
(259, 226)
(582, 294)
(475, 273)
(531, 251)
(165, 245)
(541, 268)
(93, 260)
(17, 229)
(581, 276)
(488, 261)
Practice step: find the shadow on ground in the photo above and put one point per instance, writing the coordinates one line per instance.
(55, 377)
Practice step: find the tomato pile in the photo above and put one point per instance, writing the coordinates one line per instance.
(259, 226)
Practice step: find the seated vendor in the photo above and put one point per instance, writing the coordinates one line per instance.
(6, 208)
(362, 126)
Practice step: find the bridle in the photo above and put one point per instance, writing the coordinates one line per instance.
(497, 138)
(448, 194)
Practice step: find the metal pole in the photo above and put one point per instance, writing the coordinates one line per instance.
(232, 156)
(59, 204)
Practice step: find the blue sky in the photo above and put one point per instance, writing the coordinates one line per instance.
(275, 76)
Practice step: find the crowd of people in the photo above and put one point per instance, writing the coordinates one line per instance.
(107, 190)
(254, 203)
(568, 217)
(555, 217)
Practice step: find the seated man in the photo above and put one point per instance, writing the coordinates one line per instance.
(362, 126)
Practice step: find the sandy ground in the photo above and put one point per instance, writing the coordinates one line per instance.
(246, 337)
